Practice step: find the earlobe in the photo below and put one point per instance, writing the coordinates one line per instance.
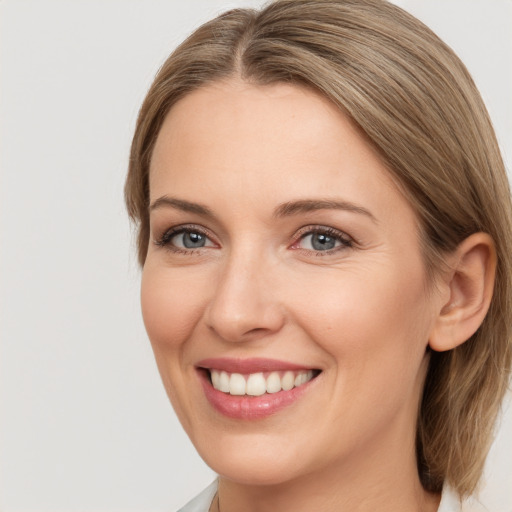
(469, 285)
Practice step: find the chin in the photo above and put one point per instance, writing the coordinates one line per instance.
(250, 460)
(254, 472)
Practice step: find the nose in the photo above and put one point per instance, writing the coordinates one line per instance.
(245, 304)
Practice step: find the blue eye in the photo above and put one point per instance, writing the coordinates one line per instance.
(189, 240)
(184, 238)
(323, 240)
(320, 242)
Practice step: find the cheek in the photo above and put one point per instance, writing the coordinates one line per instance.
(377, 319)
(375, 328)
(170, 308)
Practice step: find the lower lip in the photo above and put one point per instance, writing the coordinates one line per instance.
(250, 407)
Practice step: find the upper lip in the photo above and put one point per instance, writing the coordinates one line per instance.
(246, 366)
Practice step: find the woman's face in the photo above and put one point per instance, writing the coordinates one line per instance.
(283, 256)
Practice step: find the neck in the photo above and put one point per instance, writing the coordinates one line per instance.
(311, 494)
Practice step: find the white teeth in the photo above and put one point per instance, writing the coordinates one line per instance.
(236, 384)
(223, 382)
(215, 379)
(288, 381)
(255, 384)
(303, 377)
(273, 383)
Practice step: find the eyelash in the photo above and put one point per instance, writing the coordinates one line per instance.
(346, 242)
(165, 239)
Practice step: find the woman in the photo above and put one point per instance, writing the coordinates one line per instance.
(324, 228)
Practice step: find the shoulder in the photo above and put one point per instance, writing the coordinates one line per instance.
(202, 502)
(450, 502)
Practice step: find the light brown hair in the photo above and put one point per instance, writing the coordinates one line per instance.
(418, 106)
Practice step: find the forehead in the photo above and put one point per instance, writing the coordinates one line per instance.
(245, 123)
(242, 115)
(266, 145)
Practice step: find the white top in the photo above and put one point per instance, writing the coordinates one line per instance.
(202, 502)
(449, 502)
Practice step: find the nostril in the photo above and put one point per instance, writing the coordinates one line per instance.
(239, 333)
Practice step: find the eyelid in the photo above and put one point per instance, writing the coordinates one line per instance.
(321, 228)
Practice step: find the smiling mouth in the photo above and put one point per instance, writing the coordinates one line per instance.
(260, 383)
(253, 389)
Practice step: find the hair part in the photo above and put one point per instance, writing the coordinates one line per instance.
(418, 106)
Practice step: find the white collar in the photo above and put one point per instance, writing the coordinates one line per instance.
(449, 501)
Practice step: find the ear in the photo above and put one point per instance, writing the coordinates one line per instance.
(467, 290)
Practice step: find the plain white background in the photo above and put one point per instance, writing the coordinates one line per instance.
(84, 421)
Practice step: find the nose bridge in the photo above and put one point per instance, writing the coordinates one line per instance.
(244, 304)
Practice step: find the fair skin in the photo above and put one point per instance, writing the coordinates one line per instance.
(277, 233)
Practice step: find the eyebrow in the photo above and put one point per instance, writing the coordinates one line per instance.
(180, 204)
(311, 205)
(284, 210)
